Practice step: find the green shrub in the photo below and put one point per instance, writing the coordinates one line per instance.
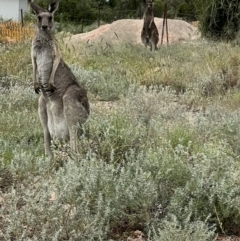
(109, 85)
(219, 20)
(186, 11)
(113, 138)
(81, 203)
(211, 190)
(158, 8)
(173, 230)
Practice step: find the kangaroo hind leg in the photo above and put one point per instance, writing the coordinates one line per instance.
(75, 113)
(42, 111)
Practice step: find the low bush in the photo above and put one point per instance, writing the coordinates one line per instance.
(160, 154)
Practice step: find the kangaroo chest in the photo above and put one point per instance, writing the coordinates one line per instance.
(44, 61)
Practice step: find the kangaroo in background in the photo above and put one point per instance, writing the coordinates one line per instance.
(149, 34)
(63, 104)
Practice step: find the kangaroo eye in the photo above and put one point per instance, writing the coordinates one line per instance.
(50, 19)
(39, 18)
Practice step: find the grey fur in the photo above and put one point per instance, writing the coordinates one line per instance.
(149, 34)
(63, 103)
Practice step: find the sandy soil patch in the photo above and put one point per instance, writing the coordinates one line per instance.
(129, 31)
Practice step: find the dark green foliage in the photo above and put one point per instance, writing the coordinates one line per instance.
(220, 19)
(87, 12)
(187, 11)
(74, 11)
(158, 8)
(173, 7)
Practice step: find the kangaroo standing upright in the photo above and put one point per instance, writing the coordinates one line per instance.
(149, 34)
(63, 104)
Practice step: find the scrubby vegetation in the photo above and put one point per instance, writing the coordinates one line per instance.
(219, 19)
(160, 151)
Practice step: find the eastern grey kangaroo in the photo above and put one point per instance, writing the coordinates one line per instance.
(149, 34)
(63, 104)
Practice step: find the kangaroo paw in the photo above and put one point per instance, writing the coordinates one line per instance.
(36, 88)
(51, 88)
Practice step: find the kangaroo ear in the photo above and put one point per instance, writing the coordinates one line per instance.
(36, 9)
(53, 6)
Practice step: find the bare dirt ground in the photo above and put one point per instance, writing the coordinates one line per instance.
(129, 31)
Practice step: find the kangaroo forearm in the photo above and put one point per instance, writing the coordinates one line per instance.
(56, 61)
(34, 77)
(54, 69)
(35, 73)
(150, 24)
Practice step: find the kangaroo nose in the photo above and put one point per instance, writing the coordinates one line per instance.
(44, 27)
